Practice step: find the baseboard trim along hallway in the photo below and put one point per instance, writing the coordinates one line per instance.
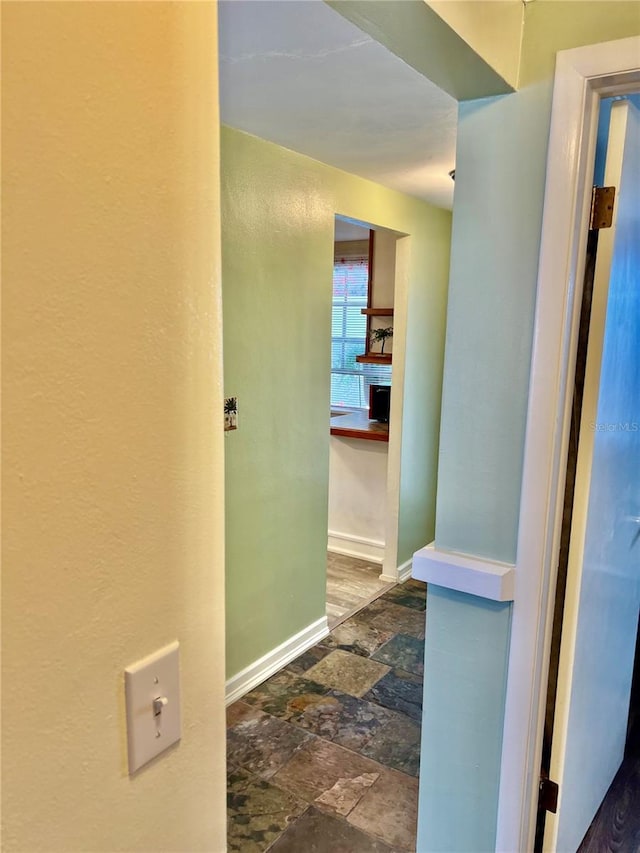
(356, 546)
(404, 571)
(276, 659)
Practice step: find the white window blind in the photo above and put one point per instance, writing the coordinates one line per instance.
(349, 380)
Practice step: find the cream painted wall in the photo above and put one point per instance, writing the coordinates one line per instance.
(493, 28)
(357, 488)
(113, 460)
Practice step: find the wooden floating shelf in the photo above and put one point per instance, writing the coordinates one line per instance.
(377, 312)
(374, 358)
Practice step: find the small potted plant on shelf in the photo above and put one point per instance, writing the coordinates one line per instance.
(381, 335)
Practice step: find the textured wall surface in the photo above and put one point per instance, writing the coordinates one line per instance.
(113, 466)
(278, 213)
(500, 167)
(493, 28)
(494, 265)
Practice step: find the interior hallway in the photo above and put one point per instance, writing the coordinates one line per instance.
(324, 755)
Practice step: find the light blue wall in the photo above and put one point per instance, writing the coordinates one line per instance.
(500, 176)
(464, 679)
(495, 243)
(497, 216)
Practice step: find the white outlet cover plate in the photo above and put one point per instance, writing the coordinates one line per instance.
(153, 677)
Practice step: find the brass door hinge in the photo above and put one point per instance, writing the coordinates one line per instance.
(602, 199)
(548, 797)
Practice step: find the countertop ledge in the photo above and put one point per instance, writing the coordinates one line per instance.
(464, 573)
(358, 425)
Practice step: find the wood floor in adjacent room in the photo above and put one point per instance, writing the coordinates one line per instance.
(616, 827)
(351, 584)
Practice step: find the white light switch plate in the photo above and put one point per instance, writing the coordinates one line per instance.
(150, 730)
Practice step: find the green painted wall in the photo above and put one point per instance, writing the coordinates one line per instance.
(426, 318)
(500, 167)
(277, 252)
(553, 25)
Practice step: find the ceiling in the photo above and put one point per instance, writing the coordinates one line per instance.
(295, 72)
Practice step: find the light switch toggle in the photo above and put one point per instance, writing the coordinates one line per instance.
(159, 703)
(152, 692)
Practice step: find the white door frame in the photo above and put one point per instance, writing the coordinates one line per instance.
(582, 76)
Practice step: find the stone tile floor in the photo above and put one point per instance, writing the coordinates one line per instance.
(323, 757)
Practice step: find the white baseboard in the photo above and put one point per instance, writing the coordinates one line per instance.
(261, 669)
(401, 574)
(371, 550)
(404, 571)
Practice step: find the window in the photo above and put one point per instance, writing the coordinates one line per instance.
(349, 380)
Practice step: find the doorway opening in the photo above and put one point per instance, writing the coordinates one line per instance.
(583, 76)
(590, 741)
(361, 475)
